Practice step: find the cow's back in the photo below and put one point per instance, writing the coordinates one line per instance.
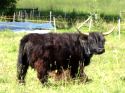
(58, 47)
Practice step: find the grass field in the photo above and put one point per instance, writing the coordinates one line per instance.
(107, 71)
(85, 6)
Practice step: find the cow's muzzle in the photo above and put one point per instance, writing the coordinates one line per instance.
(100, 50)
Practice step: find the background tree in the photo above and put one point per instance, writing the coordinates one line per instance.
(7, 7)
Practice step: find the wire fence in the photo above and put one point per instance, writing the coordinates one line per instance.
(121, 23)
(61, 21)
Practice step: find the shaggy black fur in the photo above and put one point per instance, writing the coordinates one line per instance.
(54, 51)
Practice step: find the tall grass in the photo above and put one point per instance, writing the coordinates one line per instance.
(84, 6)
(107, 71)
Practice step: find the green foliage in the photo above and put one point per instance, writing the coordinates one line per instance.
(107, 71)
(85, 6)
(7, 3)
(73, 10)
(7, 6)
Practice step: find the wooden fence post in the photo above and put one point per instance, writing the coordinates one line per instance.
(50, 16)
(18, 16)
(31, 14)
(39, 17)
(26, 15)
(21, 16)
(54, 23)
(119, 28)
(14, 17)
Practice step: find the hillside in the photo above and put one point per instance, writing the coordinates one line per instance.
(86, 6)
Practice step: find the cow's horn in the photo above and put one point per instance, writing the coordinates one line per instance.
(81, 32)
(78, 30)
(110, 31)
(86, 34)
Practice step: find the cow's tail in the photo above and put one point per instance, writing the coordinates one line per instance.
(22, 64)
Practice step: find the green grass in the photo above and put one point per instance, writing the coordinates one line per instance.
(84, 6)
(107, 71)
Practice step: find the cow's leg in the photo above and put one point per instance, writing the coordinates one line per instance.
(81, 67)
(22, 67)
(82, 74)
(77, 70)
(41, 67)
(74, 69)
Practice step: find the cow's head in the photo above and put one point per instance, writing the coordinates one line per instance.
(93, 42)
(96, 42)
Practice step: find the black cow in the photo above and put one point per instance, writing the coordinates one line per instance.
(58, 51)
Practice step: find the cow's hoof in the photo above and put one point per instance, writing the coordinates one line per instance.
(22, 82)
(85, 80)
(88, 81)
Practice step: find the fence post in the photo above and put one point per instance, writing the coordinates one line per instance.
(26, 15)
(50, 16)
(21, 16)
(39, 17)
(18, 16)
(31, 14)
(54, 23)
(14, 17)
(119, 28)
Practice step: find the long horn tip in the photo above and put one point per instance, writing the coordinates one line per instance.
(110, 31)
